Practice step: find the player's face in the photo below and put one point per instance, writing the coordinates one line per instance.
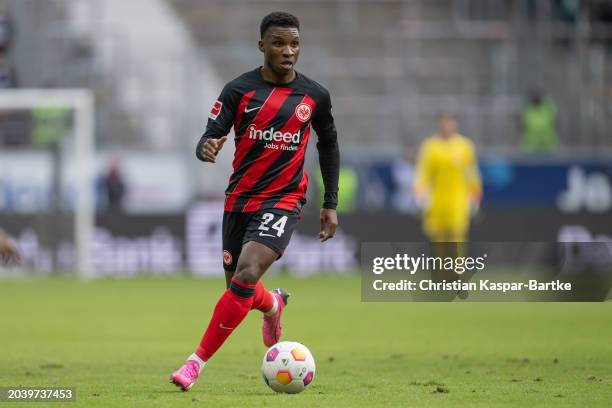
(448, 125)
(281, 48)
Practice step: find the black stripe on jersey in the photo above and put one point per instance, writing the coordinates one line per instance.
(271, 173)
(291, 187)
(261, 94)
(283, 115)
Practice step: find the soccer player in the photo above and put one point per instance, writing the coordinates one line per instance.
(271, 109)
(447, 182)
(8, 251)
(447, 186)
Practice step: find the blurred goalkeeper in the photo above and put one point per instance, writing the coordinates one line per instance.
(447, 182)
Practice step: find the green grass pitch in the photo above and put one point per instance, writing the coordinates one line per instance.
(117, 341)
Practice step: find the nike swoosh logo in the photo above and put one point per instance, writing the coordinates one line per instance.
(261, 234)
(251, 110)
(225, 327)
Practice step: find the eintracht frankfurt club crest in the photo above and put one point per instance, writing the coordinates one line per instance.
(227, 257)
(303, 111)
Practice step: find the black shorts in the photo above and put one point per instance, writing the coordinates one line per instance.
(271, 227)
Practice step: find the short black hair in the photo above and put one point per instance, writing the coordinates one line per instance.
(278, 19)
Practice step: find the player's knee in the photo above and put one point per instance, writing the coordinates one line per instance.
(248, 273)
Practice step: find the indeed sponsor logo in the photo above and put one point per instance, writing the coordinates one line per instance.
(270, 135)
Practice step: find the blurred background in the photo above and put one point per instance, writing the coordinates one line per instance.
(529, 80)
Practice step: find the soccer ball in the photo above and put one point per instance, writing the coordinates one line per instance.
(288, 367)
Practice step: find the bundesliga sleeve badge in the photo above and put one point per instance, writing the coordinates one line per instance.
(215, 110)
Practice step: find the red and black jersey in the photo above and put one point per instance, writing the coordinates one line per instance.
(272, 127)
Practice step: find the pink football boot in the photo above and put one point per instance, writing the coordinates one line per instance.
(186, 376)
(272, 329)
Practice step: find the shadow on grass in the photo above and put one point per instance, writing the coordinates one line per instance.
(204, 394)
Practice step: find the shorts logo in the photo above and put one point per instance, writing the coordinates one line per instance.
(303, 112)
(227, 257)
(215, 110)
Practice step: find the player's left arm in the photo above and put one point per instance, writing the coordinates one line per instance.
(473, 175)
(329, 162)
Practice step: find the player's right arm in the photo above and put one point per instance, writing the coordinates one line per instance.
(220, 121)
(209, 148)
(422, 179)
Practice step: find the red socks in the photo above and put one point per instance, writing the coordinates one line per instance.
(263, 299)
(231, 309)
